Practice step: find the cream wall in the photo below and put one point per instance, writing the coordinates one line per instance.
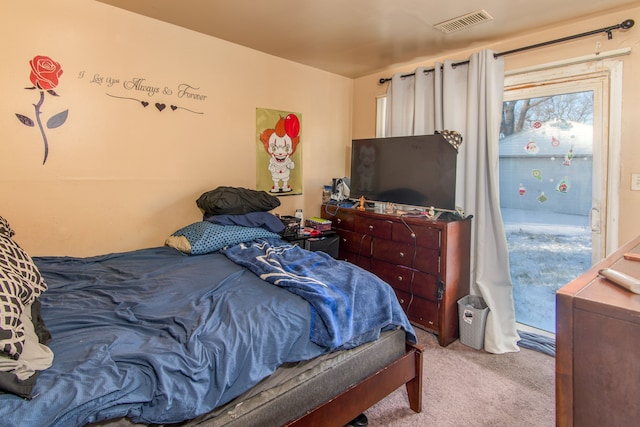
(367, 88)
(120, 176)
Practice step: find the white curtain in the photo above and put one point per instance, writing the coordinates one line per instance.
(467, 98)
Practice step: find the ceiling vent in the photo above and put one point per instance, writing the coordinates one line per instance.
(464, 21)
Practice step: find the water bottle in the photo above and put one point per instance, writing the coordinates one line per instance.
(298, 214)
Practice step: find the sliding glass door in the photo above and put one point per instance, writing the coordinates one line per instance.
(553, 186)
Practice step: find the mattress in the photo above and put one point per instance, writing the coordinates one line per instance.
(296, 388)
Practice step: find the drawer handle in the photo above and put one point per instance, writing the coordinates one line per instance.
(399, 278)
(344, 239)
(401, 254)
(338, 220)
(371, 228)
(401, 300)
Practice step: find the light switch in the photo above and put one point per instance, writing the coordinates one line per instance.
(635, 181)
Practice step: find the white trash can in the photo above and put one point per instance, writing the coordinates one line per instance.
(472, 316)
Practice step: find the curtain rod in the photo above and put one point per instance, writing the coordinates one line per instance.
(625, 25)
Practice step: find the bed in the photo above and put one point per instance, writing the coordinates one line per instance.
(253, 331)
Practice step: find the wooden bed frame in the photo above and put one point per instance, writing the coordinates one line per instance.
(343, 408)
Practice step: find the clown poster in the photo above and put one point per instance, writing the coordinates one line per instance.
(278, 152)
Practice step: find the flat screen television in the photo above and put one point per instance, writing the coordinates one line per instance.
(409, 170)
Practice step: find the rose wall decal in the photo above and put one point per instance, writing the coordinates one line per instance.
(45, 73)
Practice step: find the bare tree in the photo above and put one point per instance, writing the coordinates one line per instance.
(516, 114)
(521, 114)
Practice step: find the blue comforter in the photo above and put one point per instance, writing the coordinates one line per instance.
(160, 337)
(156, 336)
(350, 306)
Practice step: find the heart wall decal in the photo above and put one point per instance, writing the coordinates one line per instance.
(160, 106)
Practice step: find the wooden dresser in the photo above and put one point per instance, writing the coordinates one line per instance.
(598, 347)
(425, 261)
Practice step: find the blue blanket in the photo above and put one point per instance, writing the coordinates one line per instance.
(349, 303)
(156, 336)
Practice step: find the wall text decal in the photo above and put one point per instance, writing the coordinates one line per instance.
(136, 87)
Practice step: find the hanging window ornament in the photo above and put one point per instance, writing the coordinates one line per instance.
(568, 157)
(537, 124)
(537, 174)
(563, 186)
(555, 142)
(522, 190)
(531, 147)
(542, 198)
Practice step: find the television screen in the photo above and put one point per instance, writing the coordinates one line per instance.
(409, 170)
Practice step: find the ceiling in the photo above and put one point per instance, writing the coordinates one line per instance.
(353, 38)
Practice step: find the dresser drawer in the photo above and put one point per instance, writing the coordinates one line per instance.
(426, 260)
(340, 218)
(374, 227)
(428, 237)
(419, 310)
(354, 258)
(406, 279)
(354, 242)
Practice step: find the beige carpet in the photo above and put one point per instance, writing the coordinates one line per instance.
(467, 387)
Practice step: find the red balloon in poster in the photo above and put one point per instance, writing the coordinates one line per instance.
(292, 125)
